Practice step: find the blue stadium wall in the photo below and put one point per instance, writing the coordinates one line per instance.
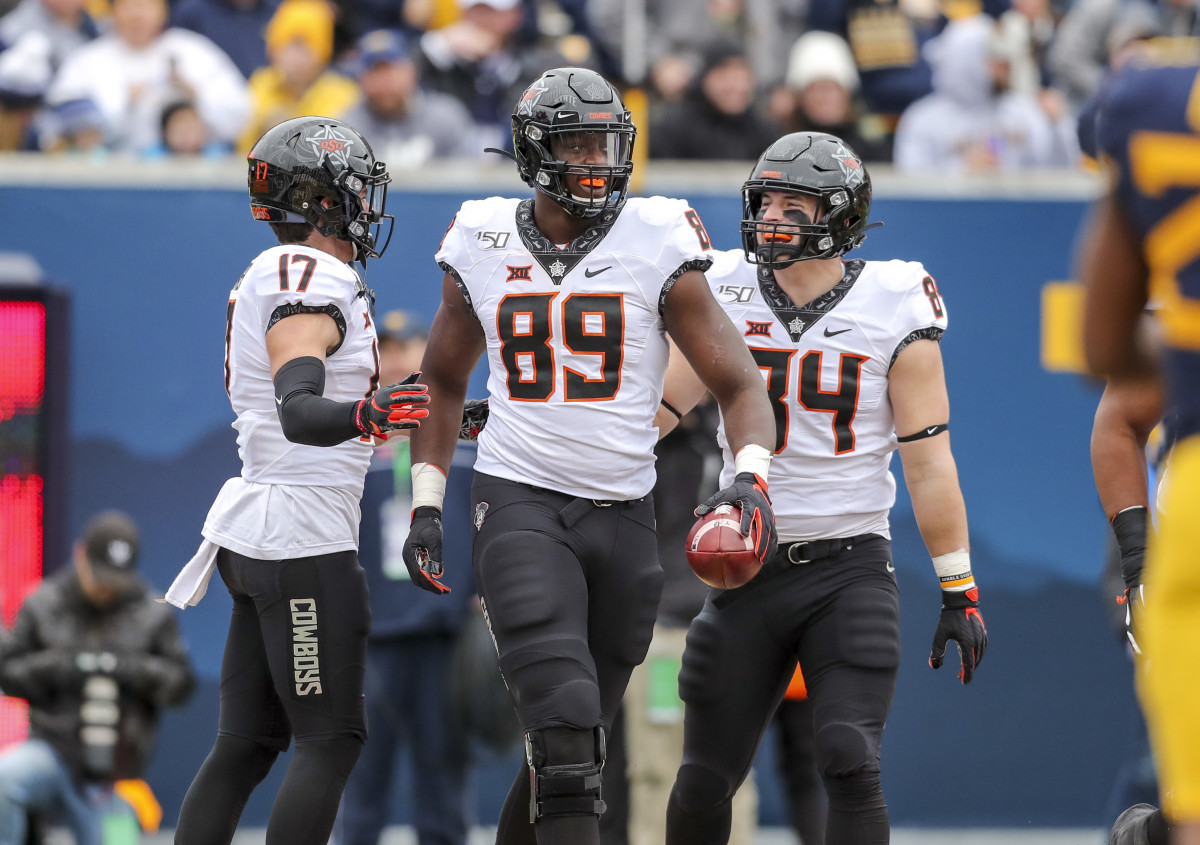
(1036, 740)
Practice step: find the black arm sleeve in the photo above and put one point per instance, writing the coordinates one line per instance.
(306, 416)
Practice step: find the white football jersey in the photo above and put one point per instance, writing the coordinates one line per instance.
(293, 500)
(576, 345)
(826, 367)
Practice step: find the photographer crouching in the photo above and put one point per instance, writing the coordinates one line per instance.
(96, 657)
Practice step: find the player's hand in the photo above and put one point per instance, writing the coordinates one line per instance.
(392, 408)
(474, 418)
(423, 550)
(1134, 600)
(960, 621)
(1130, 527)
(749, 492)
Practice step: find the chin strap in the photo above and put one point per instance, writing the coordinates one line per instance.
(504, 153)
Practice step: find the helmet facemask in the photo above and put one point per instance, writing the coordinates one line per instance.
(357, 210)
(585, 170)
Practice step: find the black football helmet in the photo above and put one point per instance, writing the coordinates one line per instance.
(820, 165)
(302, 160)
(572, 109)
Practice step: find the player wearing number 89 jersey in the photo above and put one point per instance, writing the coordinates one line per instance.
(575, 342)
(850, 354)
(572, 294)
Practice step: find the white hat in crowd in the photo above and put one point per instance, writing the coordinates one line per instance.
(820, 55)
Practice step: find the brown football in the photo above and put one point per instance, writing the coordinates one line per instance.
(718, 552)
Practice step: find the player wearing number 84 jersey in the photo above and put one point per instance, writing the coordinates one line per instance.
(826, 366)
(850, 355)
(572, 294)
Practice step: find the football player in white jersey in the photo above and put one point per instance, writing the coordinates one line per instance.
(572, 294)
(301, 369)
(850, 354)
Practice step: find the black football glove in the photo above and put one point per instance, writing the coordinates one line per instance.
(749, 492)
(1130, 527)
(423, 550)
(392, 408)
(474, 418)
(960, 621)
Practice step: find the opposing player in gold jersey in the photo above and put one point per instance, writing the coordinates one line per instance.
(1144, 245)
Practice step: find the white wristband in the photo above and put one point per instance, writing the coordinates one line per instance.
(428, 486)
(954, 571)
(752, 458)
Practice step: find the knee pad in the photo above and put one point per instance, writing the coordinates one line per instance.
(336, 754)
(243, 758)
(554, 680)
(564, 772)
(699, 789)
(844, 749)
(855, 793)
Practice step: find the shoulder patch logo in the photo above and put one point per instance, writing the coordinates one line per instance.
(493, 240)
(734, 293)
(756, 329)
(519, 274)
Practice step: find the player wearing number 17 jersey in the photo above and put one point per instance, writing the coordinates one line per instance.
(302, 373)
(850, 354)
(572, 295)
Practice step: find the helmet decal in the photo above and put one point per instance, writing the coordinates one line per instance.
(852, 168)
(594, 92)
(329, 141)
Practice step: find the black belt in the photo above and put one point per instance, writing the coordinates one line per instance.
(808, 551)
(577, 508)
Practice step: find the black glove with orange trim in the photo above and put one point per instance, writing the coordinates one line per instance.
(960, 621)
(749, 492)
(423, 550)
(392, 408)
(1130, 527)
(474, 418)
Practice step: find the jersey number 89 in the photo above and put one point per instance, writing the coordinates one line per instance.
(592, 324)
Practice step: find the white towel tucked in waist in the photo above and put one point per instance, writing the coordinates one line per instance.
(191, 583)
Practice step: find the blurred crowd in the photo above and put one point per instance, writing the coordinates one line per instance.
(931, 85)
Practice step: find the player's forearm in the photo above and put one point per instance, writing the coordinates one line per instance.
(748, 419)
(1119, 467)
(435, 440)
(938, 505)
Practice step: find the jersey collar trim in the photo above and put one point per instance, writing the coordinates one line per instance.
(558, 263)
(797, 319)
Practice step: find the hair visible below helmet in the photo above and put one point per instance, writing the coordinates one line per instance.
(573, 100)
(301, 161)
(819, 165)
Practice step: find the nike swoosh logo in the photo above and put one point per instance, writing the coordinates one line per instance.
(278, 401)
(828, 333)
(890, 568)
(589, 273)
(931, 429)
